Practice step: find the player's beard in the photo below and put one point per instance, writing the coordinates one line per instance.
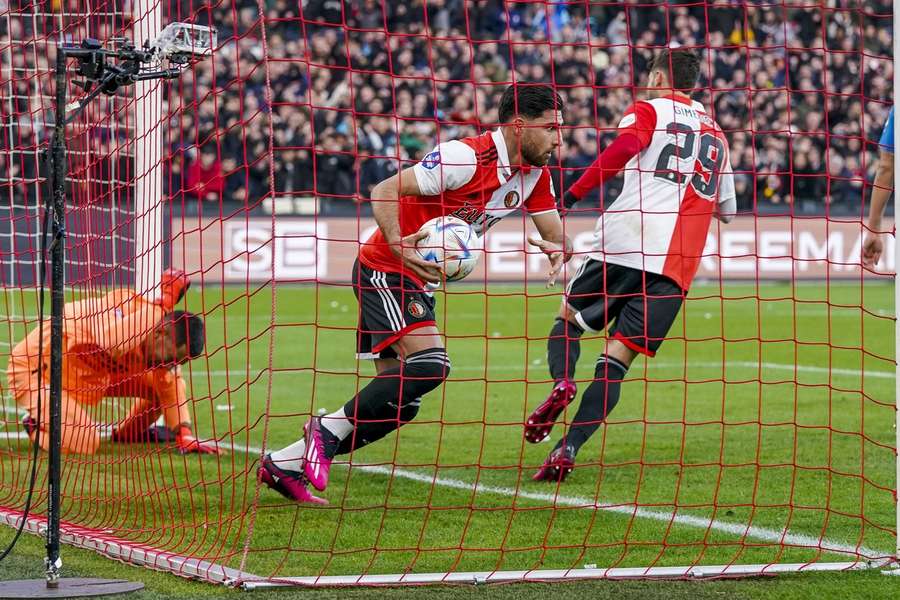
(533, 158)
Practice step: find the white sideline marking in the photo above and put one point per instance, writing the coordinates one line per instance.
(779, 366)
(759, 533)
(822, 310)
(753, 532)
(808, 308)
(651, 367)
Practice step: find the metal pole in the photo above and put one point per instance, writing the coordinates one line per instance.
(57, 257)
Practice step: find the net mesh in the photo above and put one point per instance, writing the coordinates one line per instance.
(760, 434)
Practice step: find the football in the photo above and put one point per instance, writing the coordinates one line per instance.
(451, 243)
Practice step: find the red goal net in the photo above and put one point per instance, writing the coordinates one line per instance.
(759, 438)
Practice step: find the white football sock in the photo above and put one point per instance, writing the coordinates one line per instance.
(338, 424)
(290, 458)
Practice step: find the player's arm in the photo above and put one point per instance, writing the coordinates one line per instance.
(881, 193)
(541, 205)
(635, 132)
(171, 389)
(448, 167)
(726, 207)
(386, 203)
(882, 188)
(553, 242)
(118, 330)
(385, 200)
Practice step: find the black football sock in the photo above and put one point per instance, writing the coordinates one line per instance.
(367, 432)
(392, 399)
(597, 402)
(563, 349)
(330, 442)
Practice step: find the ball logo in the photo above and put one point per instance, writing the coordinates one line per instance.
(431, 160)
(416, 309)
(511, 199)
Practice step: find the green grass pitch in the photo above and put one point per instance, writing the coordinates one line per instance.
(765, 423)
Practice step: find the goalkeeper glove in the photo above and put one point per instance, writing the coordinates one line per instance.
(188, 444)
(172, 285)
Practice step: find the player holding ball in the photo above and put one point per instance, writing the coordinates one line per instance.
(479, 180)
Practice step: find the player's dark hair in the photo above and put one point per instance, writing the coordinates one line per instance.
(527, 100)
(682, 65)
(190, 330)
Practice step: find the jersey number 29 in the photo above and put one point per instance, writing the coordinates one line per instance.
(706, 179)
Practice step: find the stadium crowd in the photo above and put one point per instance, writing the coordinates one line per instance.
(356, 88)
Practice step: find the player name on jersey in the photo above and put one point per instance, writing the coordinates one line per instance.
(660, 220)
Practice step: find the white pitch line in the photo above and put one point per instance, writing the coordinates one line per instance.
(769, 307)
(651, 367)
(744, 531)
(779, 366)
(753, 532)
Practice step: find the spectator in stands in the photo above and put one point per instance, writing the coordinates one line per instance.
(806, 180)
(764, 71)
(204, 176)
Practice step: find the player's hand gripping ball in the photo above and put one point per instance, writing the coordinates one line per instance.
(451, 243)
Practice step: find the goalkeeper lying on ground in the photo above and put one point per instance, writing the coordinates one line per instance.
(119, 345)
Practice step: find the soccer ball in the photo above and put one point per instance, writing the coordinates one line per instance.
(451, 243)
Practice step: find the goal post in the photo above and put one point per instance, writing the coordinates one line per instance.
(896, 81)
(149, 198)
(760, 439)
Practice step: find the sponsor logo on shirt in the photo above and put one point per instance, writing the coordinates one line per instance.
(431, 160)
(476, 217)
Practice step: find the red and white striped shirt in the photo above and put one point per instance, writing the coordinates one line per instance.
(470, 179)
(660, 220)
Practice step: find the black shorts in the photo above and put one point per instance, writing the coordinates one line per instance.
(644, 305)
(390, 306)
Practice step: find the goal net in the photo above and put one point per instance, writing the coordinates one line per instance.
(760, 438)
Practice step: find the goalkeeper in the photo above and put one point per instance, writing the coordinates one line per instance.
(118, 345)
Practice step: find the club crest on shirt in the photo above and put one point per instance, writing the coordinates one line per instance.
(511, 199)
(431, 160)
(416, 309)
